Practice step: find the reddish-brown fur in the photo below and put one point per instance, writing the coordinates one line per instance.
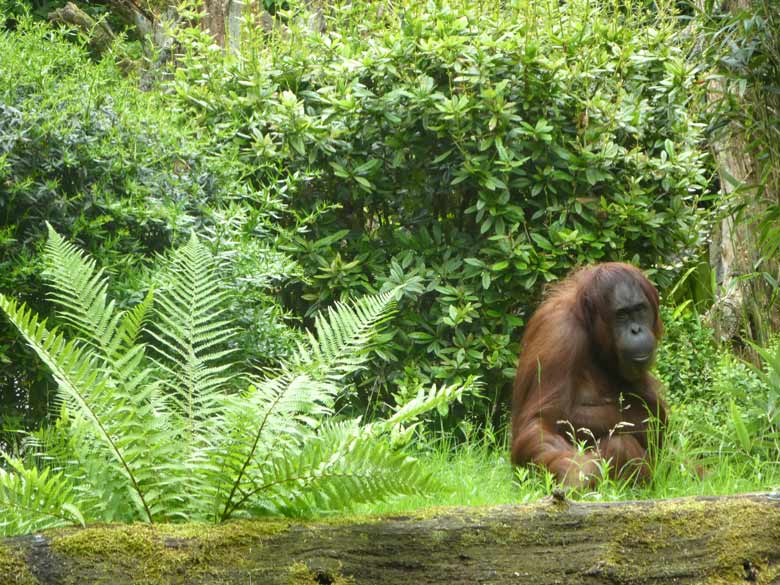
(568, 387)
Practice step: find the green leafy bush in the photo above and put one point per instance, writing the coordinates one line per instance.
(114, 168)
(753, 425)
(170, 431)
(726, 404)
(471, 152)
(687, 358)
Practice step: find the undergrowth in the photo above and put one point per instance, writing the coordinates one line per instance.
(479, 473)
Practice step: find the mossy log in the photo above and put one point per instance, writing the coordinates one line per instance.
(692, 540)
(98, 32)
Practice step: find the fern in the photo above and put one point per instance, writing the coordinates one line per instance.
(192, 336)
(87, 387)
(40, 498)
(166, 434)
(287, 409)
(400, 424)
(79, 290)
(342, 335)
(343, 467)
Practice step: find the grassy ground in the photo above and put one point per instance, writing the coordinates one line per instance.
(479, 473)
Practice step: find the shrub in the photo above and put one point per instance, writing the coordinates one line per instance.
(114, 168)
(688, 357)
(727, 404)
(472, 152)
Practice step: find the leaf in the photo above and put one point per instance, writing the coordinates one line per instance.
(75, 512)
(743, 435)
(194, 339)
(33, 499)
(680, 309)
(339, 170)
(363, 182)
(368, 166)
(297, 143)
(541, 241)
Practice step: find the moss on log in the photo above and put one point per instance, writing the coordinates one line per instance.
(715, 541)
(98, 32)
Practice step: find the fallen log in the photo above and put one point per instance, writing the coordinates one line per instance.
(98, 32)
(691, 540)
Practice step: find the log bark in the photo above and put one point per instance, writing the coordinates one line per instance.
(692, 540)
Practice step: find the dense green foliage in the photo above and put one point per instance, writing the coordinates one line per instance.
(471, 152)
(445, 159)
(169, 431)
(748, 48)
(723, 404)
(82, 148)
(687, 356)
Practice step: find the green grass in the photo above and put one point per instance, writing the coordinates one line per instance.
(472, 474)
(478, 473)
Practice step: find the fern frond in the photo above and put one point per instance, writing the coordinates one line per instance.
(403, 420)
(192, 334)
(343, 334)
(131, 325)
(280, 412)
(274, 415)
(33, 499)
(345, 463)
(83, 383)
(80, 291)
(343, 467)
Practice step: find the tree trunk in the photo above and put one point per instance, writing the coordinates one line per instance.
(234, 15)
(685, 541)
(223, 21)
(214, 19)
(743, 300)
(148, 26)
